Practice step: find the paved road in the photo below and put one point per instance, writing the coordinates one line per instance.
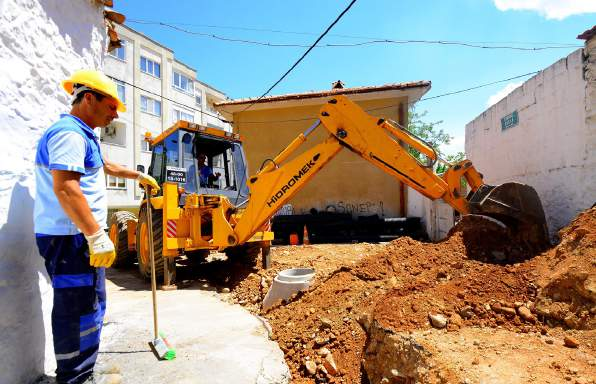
(215, 342)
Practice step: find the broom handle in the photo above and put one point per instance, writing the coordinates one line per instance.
(151, 259)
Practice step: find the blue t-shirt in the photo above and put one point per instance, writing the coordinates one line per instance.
(204, 174)
(69, 145)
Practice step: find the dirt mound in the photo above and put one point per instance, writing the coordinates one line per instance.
(407, 285)
(567, 276)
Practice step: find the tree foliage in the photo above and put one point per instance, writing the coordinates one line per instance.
(433, 136)
(452, 159)
(427, 131)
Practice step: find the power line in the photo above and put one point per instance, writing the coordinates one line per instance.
(304, 54)
(480, 86)
(481, 45)
(409, 103)
(172, 24)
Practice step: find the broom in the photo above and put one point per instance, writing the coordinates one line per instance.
(160, 346)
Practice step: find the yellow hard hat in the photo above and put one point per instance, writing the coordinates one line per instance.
(95, 80)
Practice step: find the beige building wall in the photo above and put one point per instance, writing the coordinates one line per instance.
(348, 184)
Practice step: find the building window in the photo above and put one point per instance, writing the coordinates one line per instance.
(150, 105)
(182, 115)
(119, 53)
(199, 98)
(145, 144)
(182, 83)
(121, 90)
(114, 182)
(150, 67)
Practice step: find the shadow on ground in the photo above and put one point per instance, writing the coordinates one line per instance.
(208, 275)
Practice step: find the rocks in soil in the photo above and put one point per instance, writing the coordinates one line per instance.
(466, 312)
(570, 342)
(311, 367)
(329, 364)
(326, 323)
(437, 320)
(526, 314)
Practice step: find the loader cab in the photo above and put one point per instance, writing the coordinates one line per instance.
(178, 155)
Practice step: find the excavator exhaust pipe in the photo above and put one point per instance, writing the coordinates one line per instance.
(518, 206)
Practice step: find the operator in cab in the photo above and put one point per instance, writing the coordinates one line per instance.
(206, 175)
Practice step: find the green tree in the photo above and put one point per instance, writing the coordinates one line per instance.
(459, 156)
(427, 131)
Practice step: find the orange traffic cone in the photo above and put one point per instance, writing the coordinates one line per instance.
(305, 239)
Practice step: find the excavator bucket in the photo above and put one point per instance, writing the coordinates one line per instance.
(518, 206)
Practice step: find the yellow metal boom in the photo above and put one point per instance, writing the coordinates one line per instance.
(376, 140)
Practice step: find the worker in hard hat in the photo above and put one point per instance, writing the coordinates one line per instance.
(70, 218)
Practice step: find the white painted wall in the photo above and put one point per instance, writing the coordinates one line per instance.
(437, 216)
(553, 146)
(41, 43)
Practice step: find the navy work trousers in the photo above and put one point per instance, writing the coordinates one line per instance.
(79, 305)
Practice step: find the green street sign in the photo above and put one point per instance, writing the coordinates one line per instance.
(511, 120)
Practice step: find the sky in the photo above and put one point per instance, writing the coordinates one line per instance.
(242, 69)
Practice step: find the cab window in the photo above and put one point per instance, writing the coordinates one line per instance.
(157, 163)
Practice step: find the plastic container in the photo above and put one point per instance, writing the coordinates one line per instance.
(287, 283)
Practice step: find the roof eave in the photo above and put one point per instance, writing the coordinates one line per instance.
(414, 90)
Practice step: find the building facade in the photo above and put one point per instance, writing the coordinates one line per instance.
(544, 134)
(349, 184)
(158, 90)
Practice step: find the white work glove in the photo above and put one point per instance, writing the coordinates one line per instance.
(101, 249)
(146, 180)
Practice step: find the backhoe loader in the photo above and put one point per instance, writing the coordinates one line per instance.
(230, 213)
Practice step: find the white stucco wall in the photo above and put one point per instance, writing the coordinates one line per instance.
(552, 147)
(437, 217)
(41, 43)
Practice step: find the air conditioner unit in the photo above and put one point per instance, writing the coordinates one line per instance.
(110, 131)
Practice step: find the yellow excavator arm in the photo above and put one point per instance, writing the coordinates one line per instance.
(385, 146)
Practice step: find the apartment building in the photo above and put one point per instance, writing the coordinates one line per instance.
(158, 90)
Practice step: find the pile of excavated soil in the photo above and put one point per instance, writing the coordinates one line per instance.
(323, 258)
(464, 281)
(566, 276)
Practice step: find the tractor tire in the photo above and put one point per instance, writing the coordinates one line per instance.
(245, 253)
(119, 236)
(143, 243)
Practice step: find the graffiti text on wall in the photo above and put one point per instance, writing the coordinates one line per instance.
(355, 208)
